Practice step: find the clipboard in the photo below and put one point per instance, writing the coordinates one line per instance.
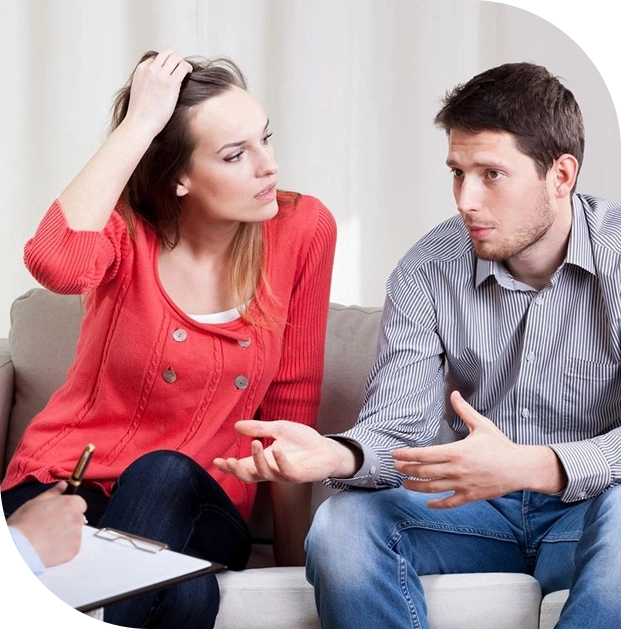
(112, 566)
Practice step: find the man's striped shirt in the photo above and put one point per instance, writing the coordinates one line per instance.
(544, 365)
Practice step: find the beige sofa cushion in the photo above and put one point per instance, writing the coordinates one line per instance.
(43, 336)
(475, 601)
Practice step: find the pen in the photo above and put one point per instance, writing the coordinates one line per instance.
(73, 482)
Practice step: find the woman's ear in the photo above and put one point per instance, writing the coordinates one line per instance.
(183, 186)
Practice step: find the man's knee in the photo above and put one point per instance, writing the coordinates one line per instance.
(360, 518)
(605, 509)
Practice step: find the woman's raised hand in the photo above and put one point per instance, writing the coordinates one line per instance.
(298, 454)
(89, 200)
(155, 90)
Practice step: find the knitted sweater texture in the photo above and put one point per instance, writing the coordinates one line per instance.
(148, 377)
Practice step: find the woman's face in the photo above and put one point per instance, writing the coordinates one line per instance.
(232, 172)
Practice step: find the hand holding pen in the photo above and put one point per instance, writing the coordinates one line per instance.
(52, 523)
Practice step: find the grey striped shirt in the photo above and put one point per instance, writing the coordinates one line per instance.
(543, 366)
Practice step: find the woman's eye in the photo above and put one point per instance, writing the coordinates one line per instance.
(267, 137)
(234, 158)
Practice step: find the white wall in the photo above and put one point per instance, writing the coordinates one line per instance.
(351, 87)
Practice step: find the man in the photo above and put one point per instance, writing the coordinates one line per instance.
(512, 308)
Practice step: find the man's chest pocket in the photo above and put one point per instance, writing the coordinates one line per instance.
(591, 396)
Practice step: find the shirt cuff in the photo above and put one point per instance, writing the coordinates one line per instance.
(588, 471)
(366, 477)
(27, 551)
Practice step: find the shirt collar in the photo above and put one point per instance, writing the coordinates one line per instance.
(579, 251)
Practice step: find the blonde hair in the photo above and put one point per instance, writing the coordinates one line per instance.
(248, 255)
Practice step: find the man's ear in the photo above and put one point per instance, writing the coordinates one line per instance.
(183, 186)
(564, 172)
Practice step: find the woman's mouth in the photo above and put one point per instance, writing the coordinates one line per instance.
(267, 194)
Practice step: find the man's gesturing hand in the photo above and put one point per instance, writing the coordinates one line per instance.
(298, 454)
(484, 465)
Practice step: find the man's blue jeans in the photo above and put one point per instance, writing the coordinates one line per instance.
(166, 496)
(367, 549)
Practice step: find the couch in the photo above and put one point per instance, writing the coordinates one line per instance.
(34, 360)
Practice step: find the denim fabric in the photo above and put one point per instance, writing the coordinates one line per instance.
(367, 549)
(166, 496)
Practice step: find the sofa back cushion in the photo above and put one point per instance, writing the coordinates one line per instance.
(42, 340)
(44, 332)
(351, 346)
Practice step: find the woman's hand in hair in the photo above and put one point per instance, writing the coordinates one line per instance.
(155, 90)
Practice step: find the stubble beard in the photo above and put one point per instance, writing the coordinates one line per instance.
(524, 239)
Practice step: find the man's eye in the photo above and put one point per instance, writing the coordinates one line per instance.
(494, 174)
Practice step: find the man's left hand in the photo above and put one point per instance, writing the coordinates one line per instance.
(486, 464)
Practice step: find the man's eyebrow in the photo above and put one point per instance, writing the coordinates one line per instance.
(241, 142)
(451, 163)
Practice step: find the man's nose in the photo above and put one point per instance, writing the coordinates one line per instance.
(468, 195)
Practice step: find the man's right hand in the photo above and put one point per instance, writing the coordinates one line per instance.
(298, 454)
(52, 522)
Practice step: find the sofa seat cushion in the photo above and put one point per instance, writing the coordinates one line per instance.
(281, 598)
(274, 598)
(551, 607)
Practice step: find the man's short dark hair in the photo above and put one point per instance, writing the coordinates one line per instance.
(527, 101)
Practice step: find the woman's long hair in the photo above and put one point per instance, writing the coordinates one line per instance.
(151, 190)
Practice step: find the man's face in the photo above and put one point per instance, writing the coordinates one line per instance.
(502, 199)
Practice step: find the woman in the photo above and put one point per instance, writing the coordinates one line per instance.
(206, 302)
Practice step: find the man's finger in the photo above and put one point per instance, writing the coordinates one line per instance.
(285, 468)
(256, 429)
(264, 469)
(468, 414)
(455, 500)
(435, 486)
(424, 471)
(429, 454)
(234, 467)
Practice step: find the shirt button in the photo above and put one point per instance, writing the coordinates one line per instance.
(169, 375)
(373, 469)
(531, 357)
(180, 335)
(244, 342)
(525, 413)
(241, 382)
(582, 495)
(539, 301)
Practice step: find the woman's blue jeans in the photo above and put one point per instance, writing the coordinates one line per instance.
(367, 548)
(168, 497)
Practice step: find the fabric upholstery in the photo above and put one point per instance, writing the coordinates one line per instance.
(484, 601)
(43, 336)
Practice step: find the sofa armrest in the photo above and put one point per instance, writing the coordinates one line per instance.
(6, 398)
